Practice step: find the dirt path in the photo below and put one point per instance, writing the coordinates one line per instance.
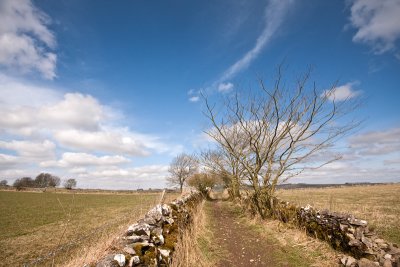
(242, 245)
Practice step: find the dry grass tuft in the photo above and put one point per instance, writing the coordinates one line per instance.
(299, 247)
(191, 249)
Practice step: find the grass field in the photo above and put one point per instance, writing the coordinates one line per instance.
(378, 204)
(32, 224)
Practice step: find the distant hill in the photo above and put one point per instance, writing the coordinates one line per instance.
(303, 185)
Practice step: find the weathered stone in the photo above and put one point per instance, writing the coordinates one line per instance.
(137, 238)
(120, 259)
(366, 263)
(387, 263)
(107, 262)
(358, 222)
(168, 220)
(140, 229)
(355, 243)
(158, 238)
(166, 210)
(393, 250)
(148, 220)
(136, 259)
(129, 250)
(164, 252)
(155, 213)
(348, 261)
(366, 241)
(343, 227)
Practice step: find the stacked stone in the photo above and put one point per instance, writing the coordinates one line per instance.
(344, 232)
(151, 241)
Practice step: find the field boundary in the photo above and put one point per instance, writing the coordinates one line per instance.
(342, 231)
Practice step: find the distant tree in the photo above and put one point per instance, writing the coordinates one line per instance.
(24, 182)
(3, 183)
(47, 180)
(181, 168)
(70, 183)
(203, 181)
(55, 181)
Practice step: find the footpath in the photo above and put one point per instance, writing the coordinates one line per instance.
(239, 243)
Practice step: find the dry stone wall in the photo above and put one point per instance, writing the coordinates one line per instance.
(343, 232)
(151, 240)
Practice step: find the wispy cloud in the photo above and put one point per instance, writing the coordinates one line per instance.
(225, 87)
(25, 40)
(372, 156)
(343, 92)
(274, 16)
(194, 98)
(377, 23)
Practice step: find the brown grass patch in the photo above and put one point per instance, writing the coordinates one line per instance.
(192, 248)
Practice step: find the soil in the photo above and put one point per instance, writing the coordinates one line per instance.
(242, 246)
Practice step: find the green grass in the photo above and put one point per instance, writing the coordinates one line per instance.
(378, 204)
(33, 224)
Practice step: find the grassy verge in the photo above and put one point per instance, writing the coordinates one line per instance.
(293, 246)
(33, 225)
(194, 246)
(378, 204)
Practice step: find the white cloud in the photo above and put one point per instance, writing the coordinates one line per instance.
(25, 38)
(376, 143)
(38, 123)
(30, 149)
(7, 161)
(377, 23)
(194, 99)
(147, 172)
(104, 141)
(274, 16)
(343, 92)
(74, 111)
(225, 87)
(76, 160)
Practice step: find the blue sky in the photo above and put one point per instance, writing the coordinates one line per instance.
(107, 92)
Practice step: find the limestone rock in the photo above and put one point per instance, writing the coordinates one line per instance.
(136, 259)
(387, 263)
(107, 262)
(164, 252)
(366, 263)
(155, 213)
(129, 250)
(348, 261)
(139, 229)
(137, 238)
(120, 259)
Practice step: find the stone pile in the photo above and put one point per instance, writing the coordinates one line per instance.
(343, 232)
(152, 239)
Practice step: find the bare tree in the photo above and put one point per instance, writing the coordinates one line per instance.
(203, 181)
(227, 167)
(44, 180)
(69, 184)
(181, 168)
(3, 183)
(273, 134)
(24, 182)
